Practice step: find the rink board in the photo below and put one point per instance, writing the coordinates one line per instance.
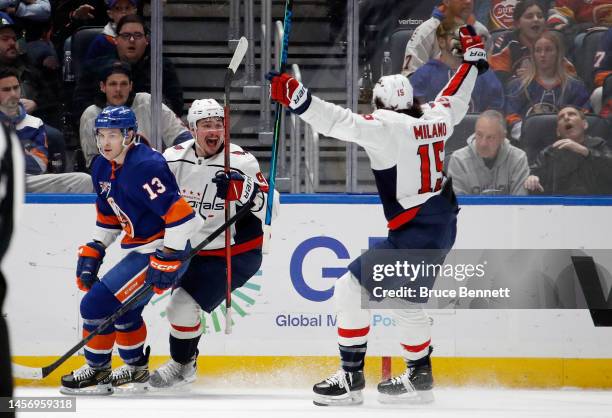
(284, 317)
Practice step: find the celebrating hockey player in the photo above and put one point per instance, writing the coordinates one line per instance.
(405, 144)
(137, 193)
(198, 166)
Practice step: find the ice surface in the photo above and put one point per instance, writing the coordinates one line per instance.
(215, 402)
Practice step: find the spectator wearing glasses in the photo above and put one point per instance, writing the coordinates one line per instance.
(545, 87)
(105, 42)
(132, 48)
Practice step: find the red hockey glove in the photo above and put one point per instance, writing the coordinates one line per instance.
(473, 48)
(90, 260)
(289, 92)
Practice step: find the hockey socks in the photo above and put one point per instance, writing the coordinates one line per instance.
(183, 350)
(352, 358)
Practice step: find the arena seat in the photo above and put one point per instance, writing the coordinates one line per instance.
(79, 44)
(460, 135)
(585, 55)
(397, 46)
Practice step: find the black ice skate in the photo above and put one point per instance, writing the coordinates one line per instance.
(87, 381)
(415, 385)
(343, 388)
(173, 374)
(133, 377)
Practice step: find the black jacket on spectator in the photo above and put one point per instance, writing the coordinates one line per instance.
(64, 26)
(88, 85)
(564, 172)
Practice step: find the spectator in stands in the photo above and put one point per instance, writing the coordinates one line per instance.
(431, 78)
(511, 53)
(32, 16)
(544, 87)
(132, 48)
(39, 96)
(70, 15)
(576, 163)
(32, 135)
(496, 14)
(423, 45)
(564, 14)
(489, 164)
(105, 42)
(116, 90)
(35, 10)
(606, 106)
(602, 64)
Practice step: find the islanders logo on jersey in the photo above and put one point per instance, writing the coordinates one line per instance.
(124, 220)
(105, 187)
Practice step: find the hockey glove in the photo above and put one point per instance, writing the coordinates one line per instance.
(235, 186)
(289, 92)
(165, 269)
(473, 48)
(90, 260)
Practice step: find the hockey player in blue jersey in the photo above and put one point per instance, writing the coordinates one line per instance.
(405, 144)
(136, 193)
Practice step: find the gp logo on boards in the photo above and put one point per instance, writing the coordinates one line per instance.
(300, 283)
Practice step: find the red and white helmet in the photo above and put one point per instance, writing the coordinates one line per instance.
(394, 92)
(202, 109)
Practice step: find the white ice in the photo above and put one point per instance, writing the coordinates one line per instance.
(216, 402)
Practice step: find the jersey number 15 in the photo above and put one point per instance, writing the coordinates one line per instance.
(427, 171)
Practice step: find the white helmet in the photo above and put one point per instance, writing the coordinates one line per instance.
(201, 109)
(393, 92)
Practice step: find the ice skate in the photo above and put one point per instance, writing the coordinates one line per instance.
(132, 377)
(173, 375)
(415, 385)
(87, 381)
(342, 388)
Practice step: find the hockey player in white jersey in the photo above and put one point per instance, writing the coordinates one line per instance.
(198, 167)
(405, 145)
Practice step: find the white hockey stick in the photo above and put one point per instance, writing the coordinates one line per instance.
(237, 58)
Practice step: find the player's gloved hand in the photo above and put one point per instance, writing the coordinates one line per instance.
(235, 186)
(90, 260)
(164, 269)
(289, 92)
(473, 48)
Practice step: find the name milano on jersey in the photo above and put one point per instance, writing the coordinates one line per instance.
(194, 175)
(406, 153)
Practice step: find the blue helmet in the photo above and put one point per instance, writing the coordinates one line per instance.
(117, 117)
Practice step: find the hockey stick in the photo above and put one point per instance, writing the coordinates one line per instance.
(37, 373)
(239, 53)
(277, 125)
